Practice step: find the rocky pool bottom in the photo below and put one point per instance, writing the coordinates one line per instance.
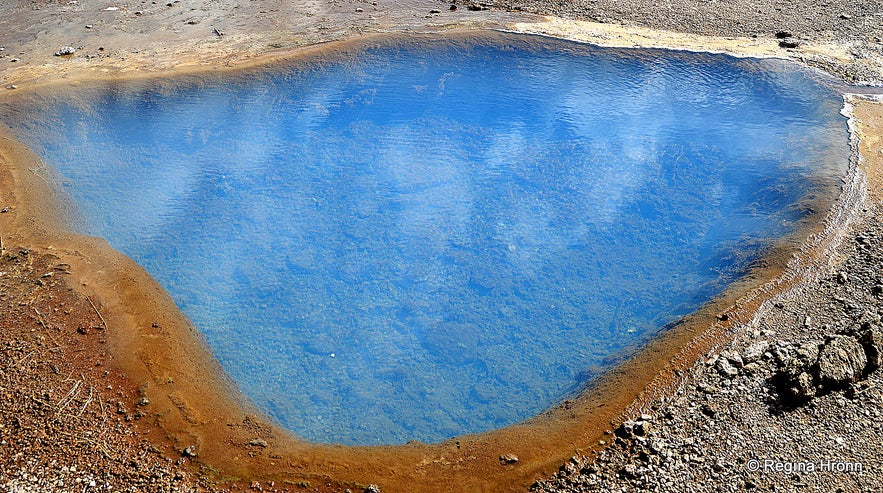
(252, 444)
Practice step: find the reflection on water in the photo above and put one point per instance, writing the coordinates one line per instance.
(427, 241)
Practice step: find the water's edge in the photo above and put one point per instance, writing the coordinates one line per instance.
(196, 401)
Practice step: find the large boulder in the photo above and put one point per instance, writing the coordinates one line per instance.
(841, 361)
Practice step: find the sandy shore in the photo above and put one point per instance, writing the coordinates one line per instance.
(93, 390)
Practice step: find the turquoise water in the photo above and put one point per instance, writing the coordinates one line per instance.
(425, 240)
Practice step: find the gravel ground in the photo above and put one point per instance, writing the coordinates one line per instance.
(858, 24)
(848, 19)
(65, 420)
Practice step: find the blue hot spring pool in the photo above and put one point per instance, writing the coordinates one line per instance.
(421, 240)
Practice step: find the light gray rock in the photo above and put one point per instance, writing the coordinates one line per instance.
(751, 368)
(642, 428)
(754, 352)
(734, 358)
(626, 429)
(725, 368)
(629, 471)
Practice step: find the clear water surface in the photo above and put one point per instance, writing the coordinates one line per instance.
(421, 241)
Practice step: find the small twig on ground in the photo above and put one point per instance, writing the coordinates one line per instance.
(88, 401)
(104, 451)
(97, 312)
(45, 327)
(36, 171)
(69, 397)
(103, 416)
(862, 391)
(24, 359)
